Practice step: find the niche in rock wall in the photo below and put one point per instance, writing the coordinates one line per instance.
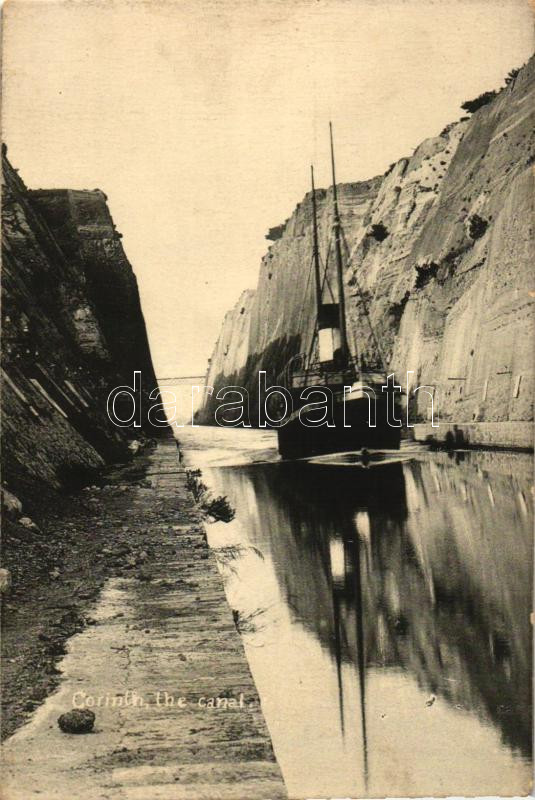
(424, 273)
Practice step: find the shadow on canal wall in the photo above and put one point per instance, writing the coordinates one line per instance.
(73, 330)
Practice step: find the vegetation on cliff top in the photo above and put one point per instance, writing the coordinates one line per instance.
(486, 97)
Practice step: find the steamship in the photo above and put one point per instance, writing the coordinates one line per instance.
(329, 364)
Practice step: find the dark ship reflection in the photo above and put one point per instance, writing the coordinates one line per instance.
(424, 567)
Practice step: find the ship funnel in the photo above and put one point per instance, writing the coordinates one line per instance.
(329, 337)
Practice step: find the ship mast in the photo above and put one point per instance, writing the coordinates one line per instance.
(361, 657)
(339, 266)
(316, 253)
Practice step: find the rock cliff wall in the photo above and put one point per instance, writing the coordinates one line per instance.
(72, 331)
(438, 271)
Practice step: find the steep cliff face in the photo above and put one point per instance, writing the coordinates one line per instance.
(83, 227)
(438, 269)
(73, 331)
(231, 350)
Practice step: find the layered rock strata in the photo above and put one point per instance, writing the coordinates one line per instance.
(72, 331)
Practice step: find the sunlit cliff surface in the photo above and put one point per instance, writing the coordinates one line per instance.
(438, 267)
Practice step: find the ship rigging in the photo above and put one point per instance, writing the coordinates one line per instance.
(329, 366)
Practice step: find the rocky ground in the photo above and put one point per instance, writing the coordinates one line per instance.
(58, 558)
(120, 594)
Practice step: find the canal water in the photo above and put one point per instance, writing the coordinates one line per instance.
(384, 610)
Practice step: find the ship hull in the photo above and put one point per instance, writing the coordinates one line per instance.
(351, 431)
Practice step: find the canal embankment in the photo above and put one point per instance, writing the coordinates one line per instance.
(499, 435)
(155, 654)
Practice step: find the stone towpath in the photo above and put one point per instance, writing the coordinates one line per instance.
(168, 629)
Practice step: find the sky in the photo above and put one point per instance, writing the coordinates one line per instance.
(199, 120)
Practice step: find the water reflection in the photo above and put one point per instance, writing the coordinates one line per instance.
(398, 658)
